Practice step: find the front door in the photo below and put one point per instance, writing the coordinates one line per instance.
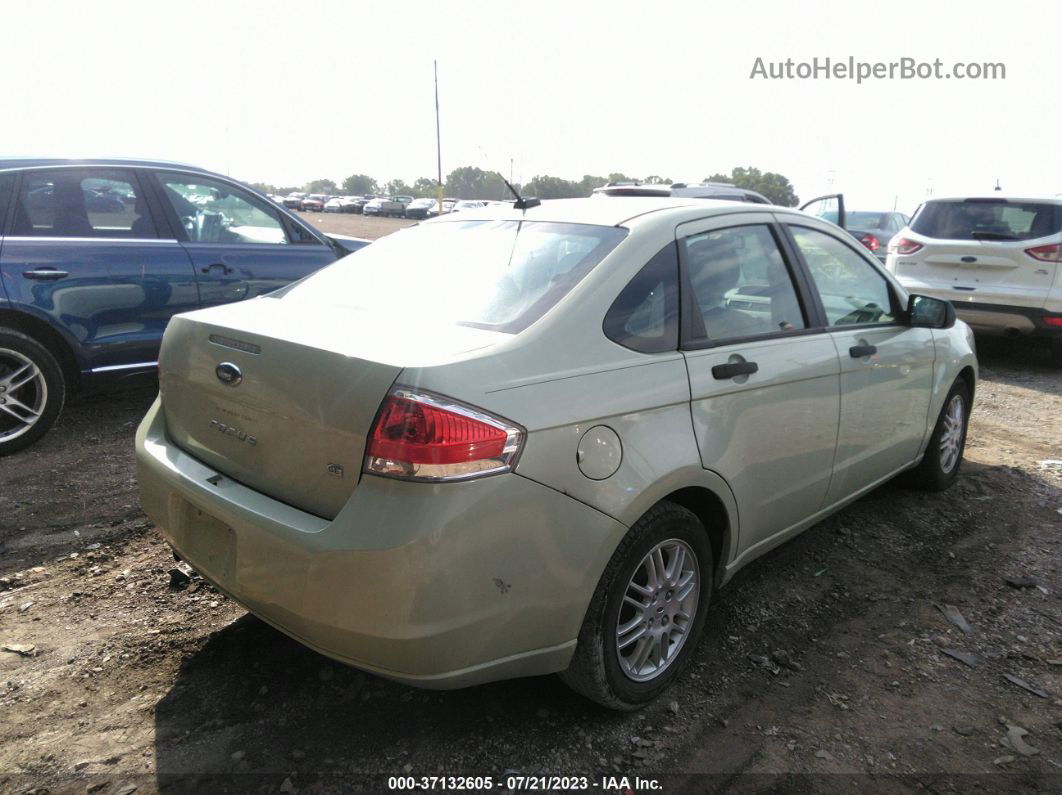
(886, 364)
(239, 244)
(764, 384)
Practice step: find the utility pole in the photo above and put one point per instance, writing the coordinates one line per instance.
(438, 141)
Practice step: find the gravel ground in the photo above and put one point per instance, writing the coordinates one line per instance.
(827, 665)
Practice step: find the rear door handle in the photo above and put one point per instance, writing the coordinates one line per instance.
(224, 268)
(45, 274)
(861, 351)
(723, 371)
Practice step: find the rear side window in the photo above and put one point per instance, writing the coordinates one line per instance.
(644, 317)
(81, 203)
(988, 219)
(740, 285)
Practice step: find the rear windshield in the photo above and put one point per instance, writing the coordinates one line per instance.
(987, 219)
(497, 275)
(865, 220)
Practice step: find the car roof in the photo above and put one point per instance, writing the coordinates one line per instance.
(8, 163)
(998, 196)
(611, 213)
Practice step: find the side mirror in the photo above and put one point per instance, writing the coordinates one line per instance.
(926, 312)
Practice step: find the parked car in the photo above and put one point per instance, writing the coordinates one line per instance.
(358, 205)
(704, 190)
(350, 204)
(448, 205)
(89, 282)
(293, 201)
(997, 258)
(875, 229)
(314, 203)
(467, 204)
(421, 208)
(480, 498)
(334, 204)
(373, 207)
(395, 205)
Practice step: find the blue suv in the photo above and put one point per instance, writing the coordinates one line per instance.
(97, 255)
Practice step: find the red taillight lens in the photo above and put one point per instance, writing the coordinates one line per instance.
(870, 242)
(421, 436)
(903, 246)
(1053, 320)
(1052, 252)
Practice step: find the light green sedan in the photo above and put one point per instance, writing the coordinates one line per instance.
(517, 442)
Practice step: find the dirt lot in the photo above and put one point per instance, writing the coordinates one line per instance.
(825, 666)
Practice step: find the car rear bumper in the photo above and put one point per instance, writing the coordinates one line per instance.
(1008, 320)
(433, 585)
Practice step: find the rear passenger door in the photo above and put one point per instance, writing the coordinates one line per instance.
(886, 364)
(85, 251)
(241, 245)
(764, 379)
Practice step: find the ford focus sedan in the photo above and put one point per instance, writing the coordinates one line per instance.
(515, 442)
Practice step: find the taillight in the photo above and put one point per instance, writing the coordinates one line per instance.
(1052, 252)
(903, 246)
(1053, 320)
(422, 436)
(870, 241)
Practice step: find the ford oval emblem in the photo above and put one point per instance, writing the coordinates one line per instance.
(228, 374)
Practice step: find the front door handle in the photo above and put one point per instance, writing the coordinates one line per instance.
(45, 274)
(224, 268)
(723, 371)
(862, 351)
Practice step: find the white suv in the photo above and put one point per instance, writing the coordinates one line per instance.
(997, 258)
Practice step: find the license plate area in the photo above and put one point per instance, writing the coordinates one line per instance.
(208, 543)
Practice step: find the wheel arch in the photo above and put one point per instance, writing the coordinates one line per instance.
(709, 498)
(47, 336)
(967, 375)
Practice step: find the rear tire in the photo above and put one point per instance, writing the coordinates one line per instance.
(32, 391)
(608, 665)
(1056, 351)
(943, 457)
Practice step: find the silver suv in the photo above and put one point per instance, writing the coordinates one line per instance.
(503, 443)
(997, 258)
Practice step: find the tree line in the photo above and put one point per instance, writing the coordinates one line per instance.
(469, 182)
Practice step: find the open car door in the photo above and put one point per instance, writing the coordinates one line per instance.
(830, 208)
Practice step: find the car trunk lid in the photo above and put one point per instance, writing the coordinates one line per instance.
(292, 422)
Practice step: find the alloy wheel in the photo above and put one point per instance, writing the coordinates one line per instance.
(951, 438)
(658, 610)
(23, 394)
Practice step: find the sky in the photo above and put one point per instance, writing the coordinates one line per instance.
(286, 92)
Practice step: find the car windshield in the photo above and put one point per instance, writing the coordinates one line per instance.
(864, 220)
(497, 275)
(988, 219)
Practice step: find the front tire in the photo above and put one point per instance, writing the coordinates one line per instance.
(943, 458)
(32, 391)
(647, 613)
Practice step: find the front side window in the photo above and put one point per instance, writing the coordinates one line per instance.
(645, 315)
(81, 203)
(215, 212)
(852, 291)
(741, 286)
(496, 275)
